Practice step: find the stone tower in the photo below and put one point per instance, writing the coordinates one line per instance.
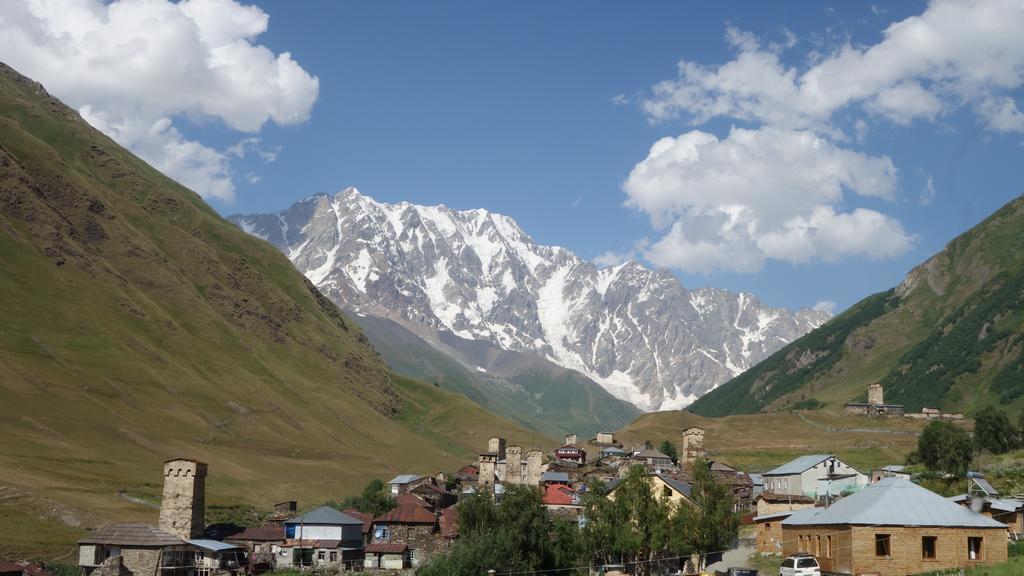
(570, 439)
(514, 465)
(488, 462)
(875, 395)
(534, 464)
(497, 446)
(183, 507)
(693, 445)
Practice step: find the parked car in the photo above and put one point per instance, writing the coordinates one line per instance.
(741, 572)
(800, 565)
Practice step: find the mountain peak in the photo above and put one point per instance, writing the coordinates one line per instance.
(477, 274)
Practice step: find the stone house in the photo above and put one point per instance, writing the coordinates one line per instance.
(894, 527)
(604, 438)
(807, 475)
(1009, 511)
(891, 471)
(405, 483)
(261, 543)
(135, 549)
(213, 557)
(414, 526)
(654, 459)
(739, 483)
(387, 556)
(436, 496)
(448, 522)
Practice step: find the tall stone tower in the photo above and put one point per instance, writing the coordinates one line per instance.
(514, 465)
(497, 445)
(488, 463)
(183, 507)
(693, 445)
(534, 465)
(876, 396)
(570, 439)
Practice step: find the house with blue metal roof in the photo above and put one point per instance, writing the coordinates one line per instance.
(894, 527)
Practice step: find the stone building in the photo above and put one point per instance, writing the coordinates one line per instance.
(604, 438)
(135, 549)
(534, 467)
(814, 475)
(412, 526)
(693, 445)
(875, 406)
(488, 465)
(894, 527)
(183, 507)
(514, 466)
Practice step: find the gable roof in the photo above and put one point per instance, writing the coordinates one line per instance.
(450, 522)
(893, 502)
(386, 548)
(411, 514)
(558, 495)
(410, 500)
(776, 498)
(405, 479)
(554, 477)
(324, 515)
(267, 533)
(132, 534)
(652, 453)
(366, 517)
(677, 485)
(798, 465)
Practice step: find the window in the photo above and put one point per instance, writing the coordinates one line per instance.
(666, 492)
(321, 554)
(882, 545)
(928, 547)
(974, 548)
(828, 546)
(334, 555)
(817, 546)
(381, 533)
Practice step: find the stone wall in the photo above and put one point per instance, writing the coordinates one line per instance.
(141, 561)
(424, 541)
(183, 507)
(513, 467)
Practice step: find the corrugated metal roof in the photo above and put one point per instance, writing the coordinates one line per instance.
(798, 465)
(366, 517)
(756, 479)
(407, 515)
(774, 516)
(893, 468)
(404, 479)
(410, 500)
(324, 515)
(554, 477)
(677, 485)
(132, 534)
(775, 498)
(652, 453)
(893, 502)
(212, 545)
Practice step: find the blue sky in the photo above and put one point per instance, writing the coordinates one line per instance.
(541, 111)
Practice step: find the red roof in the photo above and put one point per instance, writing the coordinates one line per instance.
(450, 522)
(366, 518)
(407, 515)
(268, 533)
(410, 500)
(386, 548)
(469, 469)
(558, 495)
(27, 568)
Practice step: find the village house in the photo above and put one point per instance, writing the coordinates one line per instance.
(571, 453)
(562, 501)
(768, 531)
(322, 537)
(739, 483)
(653, 459)
(612, 452)
(891, 528)
(772, 503)
(261, 543)
(891, 471)
(367, 519)
(554, 478)
(604, 438)
(405, 483)
(414, 527)
(816, 475)
(448, 522)
(982, 497)
(21, 568)
(435, 496)
(135, 549)
(664, 487)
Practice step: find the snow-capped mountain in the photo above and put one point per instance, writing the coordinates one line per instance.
(637, 332)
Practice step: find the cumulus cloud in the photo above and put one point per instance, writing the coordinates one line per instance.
(1001, 114)
(955, 52)
(826, 306)
(927, 195)
(610, 258)
(730, 204)
(135, 67)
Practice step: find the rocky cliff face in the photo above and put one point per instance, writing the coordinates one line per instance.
(637, 332)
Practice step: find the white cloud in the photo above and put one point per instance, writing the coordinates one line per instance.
(138, 66)
(955, 52)
(252, 144)
(772, 193)
(610, 258)
(927, 195)
(826, 306)
(1001, 114)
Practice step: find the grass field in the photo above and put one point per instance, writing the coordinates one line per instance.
(759, 442)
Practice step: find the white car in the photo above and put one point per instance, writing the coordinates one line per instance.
(800, 565)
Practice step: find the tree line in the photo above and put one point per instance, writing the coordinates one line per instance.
(949, 449)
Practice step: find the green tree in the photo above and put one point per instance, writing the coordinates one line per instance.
(993, 431)
(629, 526)
(709, 524)
(669, 449)
(373, 500)
(944, 447)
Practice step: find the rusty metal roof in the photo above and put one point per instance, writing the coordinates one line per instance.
(268, 533)
(133, 534)
(386, 548)
(407, 515)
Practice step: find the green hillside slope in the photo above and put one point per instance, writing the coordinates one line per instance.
(950, 336)
(521, 387)
(138, 325)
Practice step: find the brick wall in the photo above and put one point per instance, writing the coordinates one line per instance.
(769, 536)
(853, 548)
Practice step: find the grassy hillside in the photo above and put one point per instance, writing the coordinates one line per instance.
(759, 442)
(521, 387)
(950, 336)
(139, 325)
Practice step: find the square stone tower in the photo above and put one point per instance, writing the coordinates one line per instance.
(570, 439)
(497, 445)
(534, 467)
(183, 508)
(488, 463)
(693, 445)
(876, 396)
(514, 465)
